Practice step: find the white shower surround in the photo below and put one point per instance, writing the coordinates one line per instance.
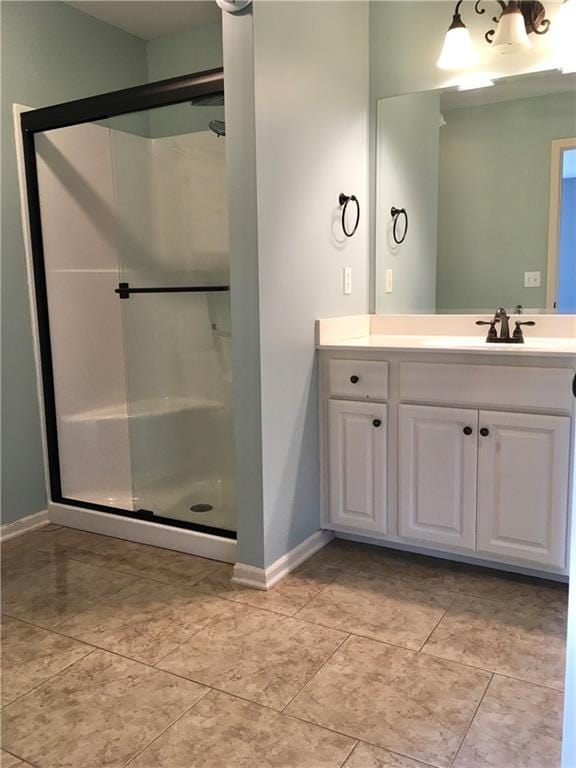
(110, 213)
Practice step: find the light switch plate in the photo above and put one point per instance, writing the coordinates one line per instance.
(389, 280)
(532, 279)
(347, 275)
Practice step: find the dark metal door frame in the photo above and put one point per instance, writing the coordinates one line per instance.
(163, 93)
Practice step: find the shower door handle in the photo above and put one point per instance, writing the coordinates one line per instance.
(124, 289)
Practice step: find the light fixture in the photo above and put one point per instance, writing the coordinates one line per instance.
(565, 36)
(518, 19)
(510, 35)
(458, 51)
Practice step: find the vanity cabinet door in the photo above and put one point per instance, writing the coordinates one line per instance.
(438, 471)
(358, 470)
(523, 469)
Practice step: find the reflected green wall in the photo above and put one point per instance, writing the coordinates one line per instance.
(494, 199)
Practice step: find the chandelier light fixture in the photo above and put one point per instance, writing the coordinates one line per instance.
(518, 19)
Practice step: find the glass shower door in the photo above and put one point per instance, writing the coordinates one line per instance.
(171, 199)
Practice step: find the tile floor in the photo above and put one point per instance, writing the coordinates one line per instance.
(118, 654)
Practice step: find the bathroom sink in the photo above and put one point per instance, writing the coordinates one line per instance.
(447, 342)
(453, 341)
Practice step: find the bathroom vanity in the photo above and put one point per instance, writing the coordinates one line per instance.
(437, 441)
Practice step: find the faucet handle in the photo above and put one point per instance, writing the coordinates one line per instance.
(492, 333)
(518, 336)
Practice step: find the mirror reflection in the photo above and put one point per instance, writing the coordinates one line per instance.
(487, 181)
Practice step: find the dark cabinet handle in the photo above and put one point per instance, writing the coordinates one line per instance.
(376, 422)
(484, 431)
(467, 430)
(574, 385)
(354, 379)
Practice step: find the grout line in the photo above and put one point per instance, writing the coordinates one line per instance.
(320, 667)
(51, 677)
(349, 755)
(436, 625)
(322, 588)
(133, 757)
(22, 759)
(463, 739)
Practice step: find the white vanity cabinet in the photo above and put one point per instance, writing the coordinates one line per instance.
(486, 481)
(450, 453)
(438, 455)
(523, 486)
(358, 464)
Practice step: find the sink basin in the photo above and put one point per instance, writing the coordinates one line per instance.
(455, 341)
(446, 342)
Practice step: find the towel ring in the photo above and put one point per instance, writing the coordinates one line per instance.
(396, 213)
(344, 200)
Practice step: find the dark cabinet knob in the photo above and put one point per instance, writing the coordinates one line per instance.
(467, 430)
(484, 431)
(376, 422)
(354, 379)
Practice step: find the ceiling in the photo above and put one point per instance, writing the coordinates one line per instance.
(151, 18)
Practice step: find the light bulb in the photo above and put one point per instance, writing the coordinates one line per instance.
(458, 51)
(510, 36)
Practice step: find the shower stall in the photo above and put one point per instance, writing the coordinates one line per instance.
(127, 205)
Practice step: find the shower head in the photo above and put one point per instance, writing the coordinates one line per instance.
(218, 127)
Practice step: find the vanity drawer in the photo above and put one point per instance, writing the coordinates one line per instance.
(487, 385)
(362, 379)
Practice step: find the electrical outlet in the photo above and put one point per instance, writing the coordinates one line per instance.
(389, 280)
(347, 281)
(532, 279)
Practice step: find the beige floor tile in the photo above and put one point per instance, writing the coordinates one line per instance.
(287, 597)
(394, 698)
(526, 643)
(58, 591)
(148, 620)
(342, 556)
(367, 756)
(436, 575)
(10, 761)
(96, 714)
(31, 655)
(381, 607)
(141, 560)
(255, 654)
(518, 725)
(22, 554)
(223, 732)
(166, 565)
(91, 548)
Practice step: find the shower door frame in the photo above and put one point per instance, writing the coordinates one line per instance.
(162, 93)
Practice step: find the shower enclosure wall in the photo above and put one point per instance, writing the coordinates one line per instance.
(134, 258)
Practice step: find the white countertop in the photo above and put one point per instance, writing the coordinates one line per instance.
(536, 346)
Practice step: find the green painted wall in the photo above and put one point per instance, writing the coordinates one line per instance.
(494, 200)
(50, 53)
(191, 50)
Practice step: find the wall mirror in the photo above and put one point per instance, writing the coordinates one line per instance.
(487, 180)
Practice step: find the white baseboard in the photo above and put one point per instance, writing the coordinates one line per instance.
(265, 578)
(143, 532)
(25, 524)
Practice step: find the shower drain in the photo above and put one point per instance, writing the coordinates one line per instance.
(201, 508)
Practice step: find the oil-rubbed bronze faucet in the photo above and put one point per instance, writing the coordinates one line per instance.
(502, 317)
